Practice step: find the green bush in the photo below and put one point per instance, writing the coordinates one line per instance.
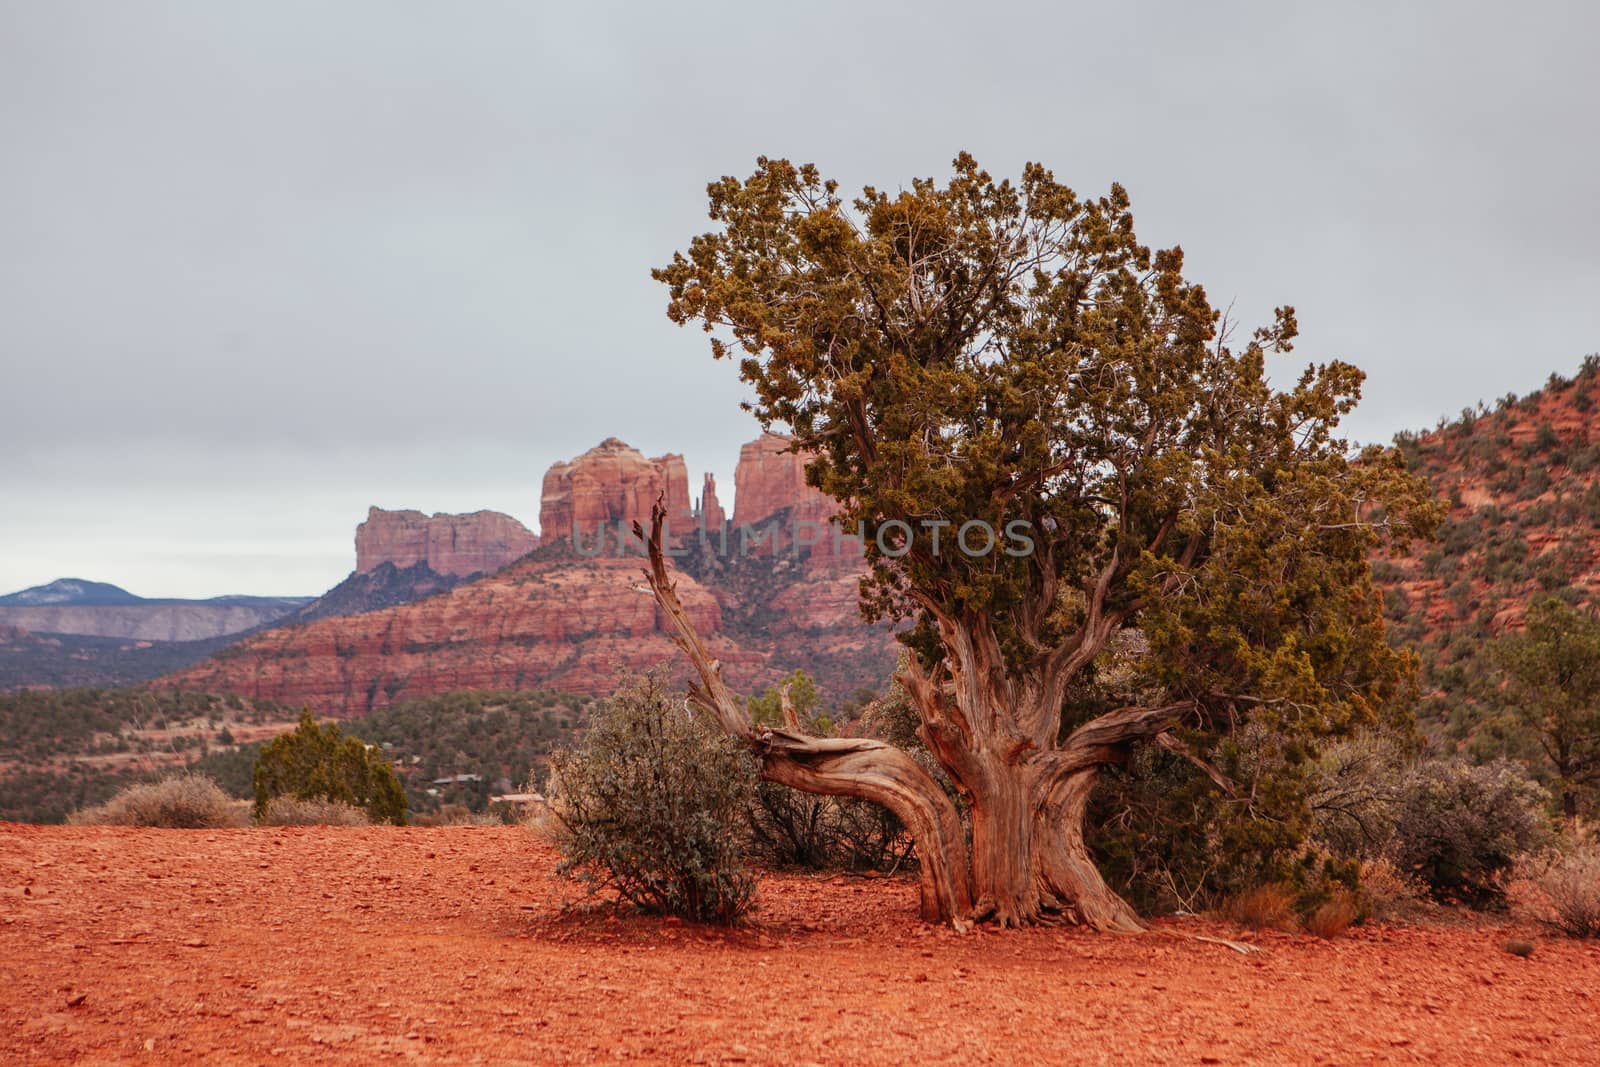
(319, 762)
(180, 802)
(1460, 828)
(653, 803)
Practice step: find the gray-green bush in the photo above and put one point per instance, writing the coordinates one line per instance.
(1461, 827)
(652, 804)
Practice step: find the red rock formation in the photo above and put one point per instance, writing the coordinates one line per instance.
(710, 510)
(613, 484)
(771, 479)
(570, 625)
(564, 625)
(459, 545)
(675, 479)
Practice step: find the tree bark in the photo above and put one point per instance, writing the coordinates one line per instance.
(1029, 794)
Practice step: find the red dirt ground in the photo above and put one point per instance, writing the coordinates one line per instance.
(451, 945)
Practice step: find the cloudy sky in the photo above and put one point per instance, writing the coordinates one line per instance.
(262, 265)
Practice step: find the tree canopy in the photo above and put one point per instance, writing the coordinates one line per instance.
(1052, 445)
(1551, 673)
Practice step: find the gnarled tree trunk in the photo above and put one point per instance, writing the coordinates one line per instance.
(1028, 791)
(836, 766)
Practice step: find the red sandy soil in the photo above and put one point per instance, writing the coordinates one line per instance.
(453, 945)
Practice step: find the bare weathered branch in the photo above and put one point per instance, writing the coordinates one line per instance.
(837, 766)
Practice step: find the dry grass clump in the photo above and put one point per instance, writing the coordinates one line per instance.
(1333, 917)
(458, 815)
(1560, 889)
(1388, 893)
(1263, 907)
(1519, 947)
(289, 811)
(541, 822)
(180, 802)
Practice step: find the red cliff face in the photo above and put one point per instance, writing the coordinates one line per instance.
(612, 483)
(770, 479)
(458, 545)
(562, 625)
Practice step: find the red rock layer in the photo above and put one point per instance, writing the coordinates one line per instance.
(561, 625)
(571, 625)
(459, 545)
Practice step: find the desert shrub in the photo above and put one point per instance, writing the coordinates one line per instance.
(1168, 838)
(1263, 907)
(315, 811)
(318, 762)
(1388, 893)
(790, 828)
(652, 804)
(1460, 827)
(179, 802)
(1354, 785)
(1519, 947)
(1561, 889)
(1333, 917)
(459, 815)
(538, 820)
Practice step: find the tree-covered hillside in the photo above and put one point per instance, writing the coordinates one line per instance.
(1522, 481)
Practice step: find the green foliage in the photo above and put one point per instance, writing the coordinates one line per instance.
(767, 709)
(996, 353)
(50, 795)
(44, 732)
(177, 802)
(1168, 838)
(1452, 826)
(1543, 483)
(44, 725)
(1551, 670)
(651, 804)
(319, 762)
(1009, 355)
(501, 742)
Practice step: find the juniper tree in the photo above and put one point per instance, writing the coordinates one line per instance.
(317, 761)
(1009, 361)
(1551, 671)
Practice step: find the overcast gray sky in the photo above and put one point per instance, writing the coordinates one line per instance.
(262, 265)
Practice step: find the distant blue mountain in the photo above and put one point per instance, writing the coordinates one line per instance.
(77, 592)
(72, 591)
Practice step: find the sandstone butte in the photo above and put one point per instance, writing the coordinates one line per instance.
(559, 619)
(457, 545)
(610, 484)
